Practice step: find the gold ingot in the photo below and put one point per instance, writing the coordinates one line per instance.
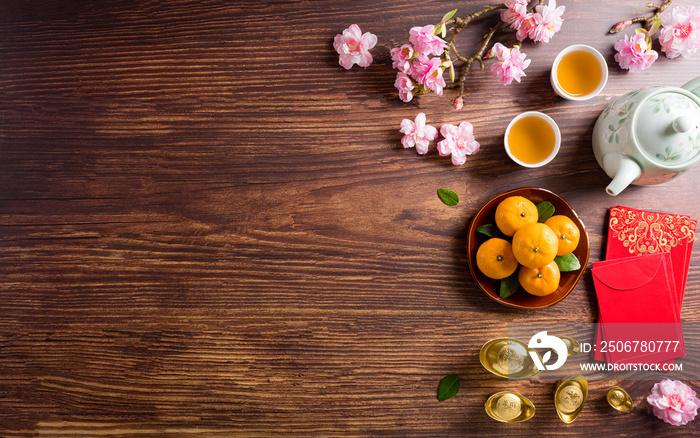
(507, 358)
(619, 399)
(572, 347)
(570, 397)
(509, 407)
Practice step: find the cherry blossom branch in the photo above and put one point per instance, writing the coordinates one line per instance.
(478, 56)
(422, 62)
(460, 25)
(647, 21)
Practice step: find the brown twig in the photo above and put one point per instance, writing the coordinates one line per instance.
(459, 25)
(452, 54)
(478, 56)
(647, 21)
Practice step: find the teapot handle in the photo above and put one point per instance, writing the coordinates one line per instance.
(693, 86)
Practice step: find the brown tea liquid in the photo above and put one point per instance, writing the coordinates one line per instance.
(579, 73)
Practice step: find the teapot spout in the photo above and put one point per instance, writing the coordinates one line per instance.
(625, 169)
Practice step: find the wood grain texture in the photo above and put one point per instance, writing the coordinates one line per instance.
(209, 228)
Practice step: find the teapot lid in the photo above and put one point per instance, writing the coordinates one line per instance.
(667, 127)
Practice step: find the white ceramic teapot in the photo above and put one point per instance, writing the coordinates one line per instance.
(649, 136)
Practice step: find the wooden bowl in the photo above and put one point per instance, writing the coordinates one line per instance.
(522, 299)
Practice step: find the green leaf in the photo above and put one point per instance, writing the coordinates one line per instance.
(448, 15)
(443, 30)
(490, 230)
(611, 127)
(545, 210)
(448, 387)
(567, 263)
(509, 285)
(617, 138)
(655, 25)
(452, 72)
(647, 39)
(448, 196)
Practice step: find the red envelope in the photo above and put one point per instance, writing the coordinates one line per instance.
(633, 232)
(637, 299)
(639, 331)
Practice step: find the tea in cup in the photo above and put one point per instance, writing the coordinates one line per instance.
(532, 139)
(579, 72)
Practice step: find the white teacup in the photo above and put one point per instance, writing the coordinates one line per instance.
(581, 67)
(534, 133)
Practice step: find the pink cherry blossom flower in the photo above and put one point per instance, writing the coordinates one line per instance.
(458, 141)
(635, 53)
(433, 79)
(511, 65)
(428, 72)
(402, 58)
(674, 402)
(420, 66)
(527, 25)
(405, 86)
(425, 42)
(515, 12)
(418, 134)
(512, 4)
(459, 103)
(680, 34)
(549, 21)
(353, 47)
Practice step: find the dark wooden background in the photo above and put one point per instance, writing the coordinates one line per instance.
(210, 228)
